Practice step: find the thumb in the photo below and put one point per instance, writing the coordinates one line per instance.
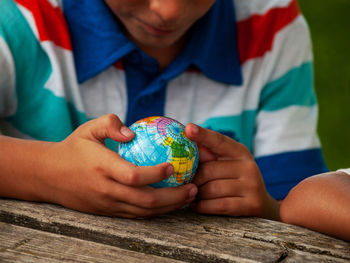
(107, 126)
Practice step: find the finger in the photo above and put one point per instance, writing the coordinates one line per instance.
(218, 170)
(220, 189)
(128, 173)
(216, 142)
(124, 210)
(233, 206)
(130, 211)
(205, 155)
(154, 198)
(107, 126)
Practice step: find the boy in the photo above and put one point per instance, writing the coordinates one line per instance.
(240, 68)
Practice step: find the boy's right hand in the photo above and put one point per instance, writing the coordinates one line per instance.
(84, 175)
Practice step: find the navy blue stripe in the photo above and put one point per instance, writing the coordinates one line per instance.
(281, 172)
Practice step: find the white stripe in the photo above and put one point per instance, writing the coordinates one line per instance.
(105, 93)
(56, 3)
(204, 97)
(344, 170)
(192, 97)
(8, 98)
(63, 81)
(290, 129)
(291, 48)
(30, 19)
(247, 8)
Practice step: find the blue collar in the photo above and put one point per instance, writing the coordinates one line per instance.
(98, 41)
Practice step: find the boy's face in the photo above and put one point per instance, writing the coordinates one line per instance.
(158, 23)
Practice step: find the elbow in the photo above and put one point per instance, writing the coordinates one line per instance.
(298, 203)
(288, 213)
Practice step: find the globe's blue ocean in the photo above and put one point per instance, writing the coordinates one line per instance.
(158, 140)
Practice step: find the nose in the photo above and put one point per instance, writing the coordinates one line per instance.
(167, 10)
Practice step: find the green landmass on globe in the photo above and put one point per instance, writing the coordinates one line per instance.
(160, 139)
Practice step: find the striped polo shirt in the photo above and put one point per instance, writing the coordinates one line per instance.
(246, 72)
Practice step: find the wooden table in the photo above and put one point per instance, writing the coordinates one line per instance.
(33, 232)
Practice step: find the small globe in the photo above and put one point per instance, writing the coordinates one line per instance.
(158, 140)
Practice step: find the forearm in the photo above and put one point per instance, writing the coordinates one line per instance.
(23, 166)
(320, 203)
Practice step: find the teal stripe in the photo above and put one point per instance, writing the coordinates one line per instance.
(40, 114)
(239, 127)
(294, 88)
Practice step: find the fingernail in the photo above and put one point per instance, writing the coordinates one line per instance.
(169, 170)
(126, 131)
(192, 193)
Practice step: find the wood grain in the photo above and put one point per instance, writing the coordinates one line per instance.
(183, 235)
(20, 244)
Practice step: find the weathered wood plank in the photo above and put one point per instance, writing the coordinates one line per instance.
(289, 236)
(184, 235)
(163, 238)
(20, 244)
(301, 256)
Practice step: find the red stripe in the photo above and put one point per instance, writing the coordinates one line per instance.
(256, 34)
(49, 21)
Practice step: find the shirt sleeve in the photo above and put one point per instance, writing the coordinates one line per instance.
(347, 171)
(286, 145)
(8, 100)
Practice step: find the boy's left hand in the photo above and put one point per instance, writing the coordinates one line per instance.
(228, 179)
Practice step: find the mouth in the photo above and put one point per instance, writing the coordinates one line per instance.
(156, 30)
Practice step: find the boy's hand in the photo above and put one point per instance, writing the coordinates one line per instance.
(228, 179)
(91, 178)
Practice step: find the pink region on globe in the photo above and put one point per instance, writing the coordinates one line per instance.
(159, 122)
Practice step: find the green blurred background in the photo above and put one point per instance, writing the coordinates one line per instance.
(329, 23)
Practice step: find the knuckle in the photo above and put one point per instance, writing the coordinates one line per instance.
(207, 170)
(223, 207)
(243, 149)
(110, 119)
(99, 167)
(149, 201)
(219, 140)
(251, 169)
(104, 195)
(132, 177)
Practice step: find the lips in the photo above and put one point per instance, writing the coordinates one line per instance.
(156, 30)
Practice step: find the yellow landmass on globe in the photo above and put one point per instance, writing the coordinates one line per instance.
(181, 166)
